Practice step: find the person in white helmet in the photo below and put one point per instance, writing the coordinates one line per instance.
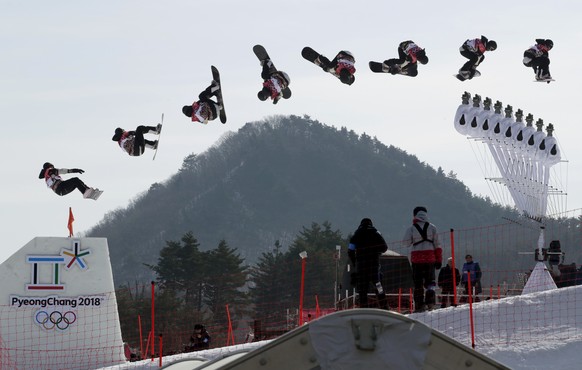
(205, 109)
(275, 84)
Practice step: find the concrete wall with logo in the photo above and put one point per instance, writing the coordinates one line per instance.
(58, 306)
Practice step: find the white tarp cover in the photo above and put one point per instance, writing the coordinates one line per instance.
(387, 343)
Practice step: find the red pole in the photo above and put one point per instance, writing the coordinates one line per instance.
(140, 336)
(153, 326)
(471, 310)
(317, 310)
(161, 346)
(229, 333)
(454, 266)
(301, 289)
(148, 345)
(399, 300)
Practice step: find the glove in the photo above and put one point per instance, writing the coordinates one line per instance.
(77, 170)
(438, 265)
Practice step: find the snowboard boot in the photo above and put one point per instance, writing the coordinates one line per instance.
(159, 129)
(214, 87)
(88, 193)
(151, 144)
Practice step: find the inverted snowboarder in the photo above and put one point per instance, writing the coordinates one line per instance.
(61, 187)
(134, 142)
(206, 109)
(409, 53)
(474, 50)
(342, 66)
(276, 83)
(537, 57)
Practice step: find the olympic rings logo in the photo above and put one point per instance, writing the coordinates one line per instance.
(55, 319)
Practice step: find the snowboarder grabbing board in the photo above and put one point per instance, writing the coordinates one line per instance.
(276, 83)
(409, 53)
(474, 50)
(342, 66)
(133, 142)
(206, 109)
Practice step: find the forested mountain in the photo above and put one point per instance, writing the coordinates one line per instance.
(265, 182)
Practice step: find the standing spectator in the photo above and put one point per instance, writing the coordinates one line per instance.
(366, 246)
(471, 268)
(426, 256)
(447, 284)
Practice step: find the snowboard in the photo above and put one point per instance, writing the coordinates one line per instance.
(315, 58)
(263, 56)
(385, 68)
(379, 67)
(548, 80)
(94, 194)
(160, 134)
(461, 78)
(218, 94)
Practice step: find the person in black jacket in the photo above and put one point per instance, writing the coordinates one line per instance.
(445, 281)
(366, 246)
(200, 339)
(537, 57)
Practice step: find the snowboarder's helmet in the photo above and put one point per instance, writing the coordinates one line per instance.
(346, 77)
(44, 168)
(187, 110)
(347, 53)
(419, 209)
(549, 43)
(286, 77)
(491, 45)
(118, 133)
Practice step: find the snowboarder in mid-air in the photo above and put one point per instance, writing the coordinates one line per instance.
(206, 109)
(537, 57)
(342, 66)
(409, 53)
(276, 83)
(474, 50)
(133, 142)
(52, 177)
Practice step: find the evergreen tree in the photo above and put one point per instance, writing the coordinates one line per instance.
(225, 278)
(268, 276)
(319, 242)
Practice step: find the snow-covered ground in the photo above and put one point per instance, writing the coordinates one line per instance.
(534, 331)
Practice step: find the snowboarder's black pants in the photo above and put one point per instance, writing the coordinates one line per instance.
(367, 274)
(140, 141)
(541, 64)
(205, 97)
(423, 277)
(395, 65)
(474, 60)
(67, 186)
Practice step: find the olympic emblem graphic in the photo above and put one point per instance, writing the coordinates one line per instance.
(55, 319)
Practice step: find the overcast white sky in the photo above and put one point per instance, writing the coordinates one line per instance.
(71, 72)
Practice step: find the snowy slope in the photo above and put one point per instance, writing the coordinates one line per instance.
(534, 331)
